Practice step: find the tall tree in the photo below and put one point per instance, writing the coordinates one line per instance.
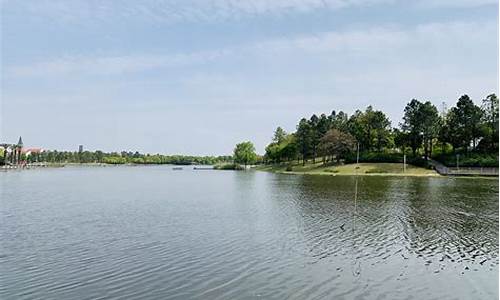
(288, 148)
(371, 128)
(304, 139)
(356, 129)
(381, 127)
(429, 126)
(279, 135)
(468, 117)
(401, 139)
(339, 121)
(490, 114)
(451, 131)
(411, 124)
(315, 136)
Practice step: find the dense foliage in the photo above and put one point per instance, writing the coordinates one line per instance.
(229, 166)
(466, 129)
(244, 153)
(123, 158)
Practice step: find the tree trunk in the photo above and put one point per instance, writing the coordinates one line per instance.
(426, 149)
(430, 149)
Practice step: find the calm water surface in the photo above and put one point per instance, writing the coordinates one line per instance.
(155, 233)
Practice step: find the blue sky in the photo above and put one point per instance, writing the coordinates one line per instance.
(198, 76)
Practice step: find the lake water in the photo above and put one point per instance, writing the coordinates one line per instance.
(156, 233)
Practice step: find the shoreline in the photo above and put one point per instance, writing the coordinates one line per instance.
(62, 165)
(437, 175)
(268, 168)
(356, 174)
(364, 169)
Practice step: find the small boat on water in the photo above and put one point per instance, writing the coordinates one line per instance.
(203, 168)
(177, 168)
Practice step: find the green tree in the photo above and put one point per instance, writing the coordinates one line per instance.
(411, 124)
(284, 150)
(244, 153)
(339, 121)
(371, 129)
(356, 129)
(289, 148)
(381, 127)
(315, 136)
(279, 135)
(272, 153)
(304, 139)
(451, 132)
(468, 121)
(401, 139)
(429, 126)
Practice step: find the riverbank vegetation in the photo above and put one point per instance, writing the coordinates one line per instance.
(123, 157)
(229, 166)
(244, 154)
(467, 131)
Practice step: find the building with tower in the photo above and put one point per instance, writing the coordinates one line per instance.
(12, 152)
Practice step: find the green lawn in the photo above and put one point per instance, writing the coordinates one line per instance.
(351, 169)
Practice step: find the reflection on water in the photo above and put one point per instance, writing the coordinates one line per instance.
(149, 233)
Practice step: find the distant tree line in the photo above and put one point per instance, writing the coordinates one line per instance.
(465, 129)
(123, 157)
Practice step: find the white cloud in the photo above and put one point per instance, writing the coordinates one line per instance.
(454, 3)
(428, 42)
(110, 65)
(172, 11)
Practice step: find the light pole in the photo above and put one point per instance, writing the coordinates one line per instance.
(357, 157)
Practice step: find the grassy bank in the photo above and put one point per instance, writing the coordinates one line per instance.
(369, 169)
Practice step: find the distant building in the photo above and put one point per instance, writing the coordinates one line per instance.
(12, 153)
(80, 149)
(29, 151)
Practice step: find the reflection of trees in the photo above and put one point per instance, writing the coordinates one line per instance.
(327, 223)
(430, 217)
(450, 219)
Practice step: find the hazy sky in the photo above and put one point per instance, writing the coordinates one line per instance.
(198, 76)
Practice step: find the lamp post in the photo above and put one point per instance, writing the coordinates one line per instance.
(357, 156)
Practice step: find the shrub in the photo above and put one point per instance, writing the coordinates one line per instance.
(114, 160)
(376, 157)
(228, 167)
(417, 161)
(469, 160)
(387, 157)
(289, 168)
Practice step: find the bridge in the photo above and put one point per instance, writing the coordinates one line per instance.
(462, 171)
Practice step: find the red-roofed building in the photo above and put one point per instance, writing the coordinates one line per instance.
(29, 151)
